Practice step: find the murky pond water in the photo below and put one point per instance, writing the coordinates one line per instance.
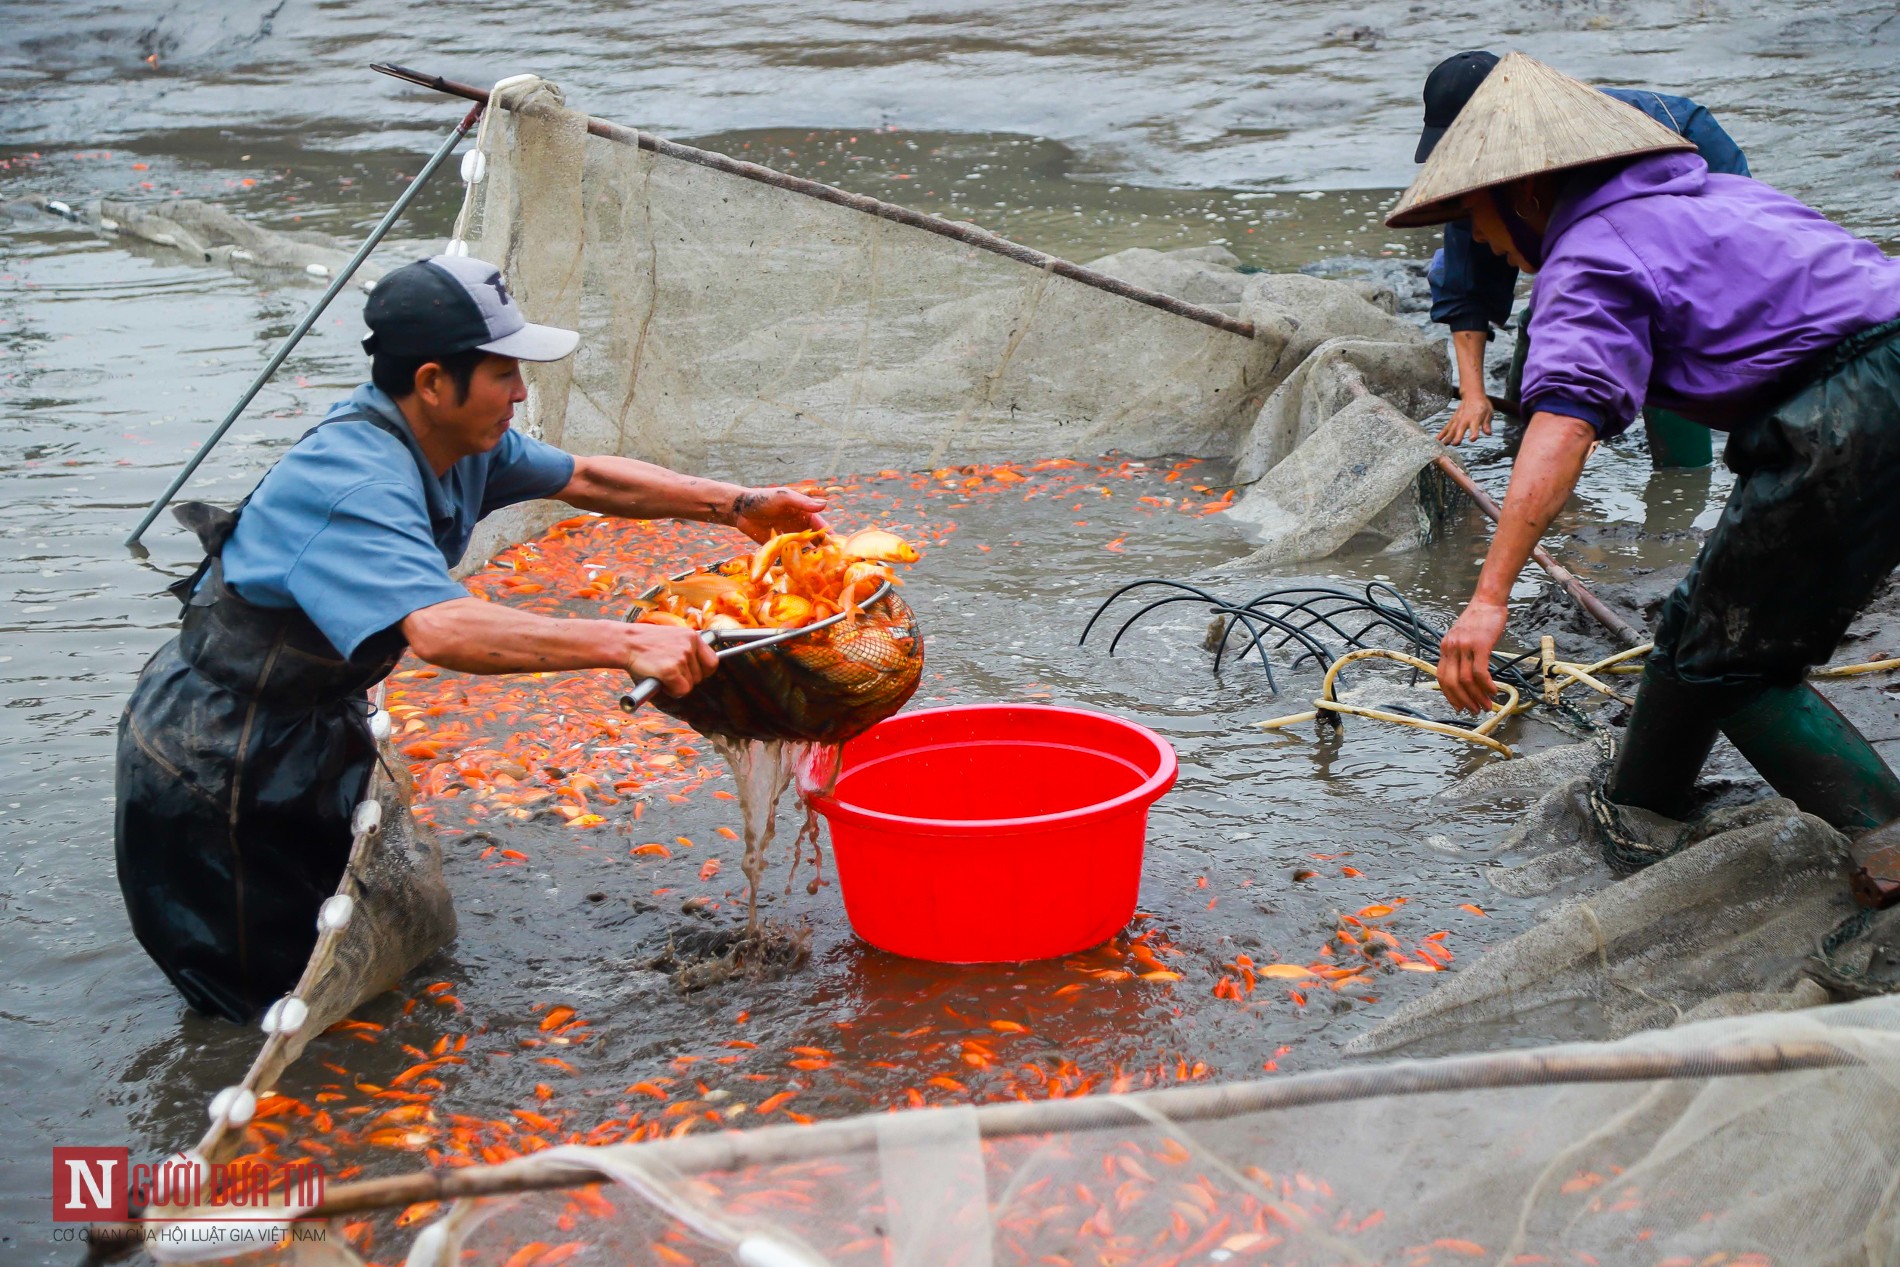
(1078, 130)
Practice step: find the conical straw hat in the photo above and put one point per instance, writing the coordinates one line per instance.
(1525, 119)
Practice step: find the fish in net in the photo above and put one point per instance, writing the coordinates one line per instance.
(822, 688)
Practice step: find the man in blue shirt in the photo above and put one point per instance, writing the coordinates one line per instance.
(245, 746)
(1473, 287)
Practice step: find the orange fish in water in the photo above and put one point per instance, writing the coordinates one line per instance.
(1283, 971)
(1452, 1245)
(417, 1213)
(556, 1017)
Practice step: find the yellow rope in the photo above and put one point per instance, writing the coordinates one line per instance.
(1855, 670)
(1479, 734)
(1558, 675)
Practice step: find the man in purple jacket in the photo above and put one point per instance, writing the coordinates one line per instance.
(1746, 311)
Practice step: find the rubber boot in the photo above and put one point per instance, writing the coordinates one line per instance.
(1815, 757)
(1672, 727)
(1674, 441)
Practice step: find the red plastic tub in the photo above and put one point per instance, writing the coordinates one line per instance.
(994, 832)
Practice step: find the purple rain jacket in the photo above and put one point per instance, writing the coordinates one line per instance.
(1705, 294)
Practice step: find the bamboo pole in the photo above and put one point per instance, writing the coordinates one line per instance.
(773, 1145)
(968, 234)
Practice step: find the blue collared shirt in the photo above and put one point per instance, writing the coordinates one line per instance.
(1472, 285)
(354, 527)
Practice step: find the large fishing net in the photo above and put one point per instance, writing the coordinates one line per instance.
(1745, 908)
(1734, 1142)
(742, 322)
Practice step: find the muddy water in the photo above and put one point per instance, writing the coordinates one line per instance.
(1080, 130)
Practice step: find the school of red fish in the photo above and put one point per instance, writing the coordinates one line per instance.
(490, 752)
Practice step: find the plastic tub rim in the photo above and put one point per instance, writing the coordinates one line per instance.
(1140, 797)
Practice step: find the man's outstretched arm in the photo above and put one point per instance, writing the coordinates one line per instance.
(640, 490)
(473, 636)
(1548, 464)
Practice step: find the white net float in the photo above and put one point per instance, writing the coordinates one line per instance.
(286, 1016)
(334, 915)
(235, 1105)
(368, 817)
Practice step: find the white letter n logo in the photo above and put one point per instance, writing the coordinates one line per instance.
(89, 1183)
(97, 1176)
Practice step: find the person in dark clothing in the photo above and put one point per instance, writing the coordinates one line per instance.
(247, 743)
(1473, 288)
(1721, 297)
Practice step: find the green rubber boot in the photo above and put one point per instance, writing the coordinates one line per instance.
(1676, 442)
(1815, 757)
(1671, 729)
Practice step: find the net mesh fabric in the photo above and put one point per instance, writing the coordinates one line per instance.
(400, 913)
(825, 687)
(731, 326)
(1682, 1146)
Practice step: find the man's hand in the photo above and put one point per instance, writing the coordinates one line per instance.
(1464, 657)
(1472, 419)
(761, 512)
(678, 657)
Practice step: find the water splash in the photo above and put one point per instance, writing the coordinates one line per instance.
(761, 771)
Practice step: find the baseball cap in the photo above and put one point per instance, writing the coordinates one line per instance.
(1447, 88)
(452, 303)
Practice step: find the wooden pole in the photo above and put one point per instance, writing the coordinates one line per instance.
(968, 234)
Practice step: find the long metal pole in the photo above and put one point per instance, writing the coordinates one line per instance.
(309, 319)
